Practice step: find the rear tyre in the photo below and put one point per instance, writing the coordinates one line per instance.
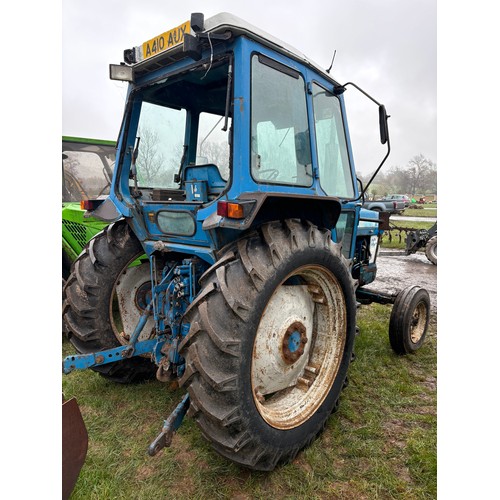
(409, 320)
(270, 341)
(103, 297)
(431, 250)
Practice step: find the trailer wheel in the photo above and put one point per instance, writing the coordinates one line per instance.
(103, 298)
(431, 250)
(409, 320)
(270, 341)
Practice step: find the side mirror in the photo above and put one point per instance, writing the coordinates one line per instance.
(384, 129)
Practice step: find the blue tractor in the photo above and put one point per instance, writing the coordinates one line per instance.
(236, 242)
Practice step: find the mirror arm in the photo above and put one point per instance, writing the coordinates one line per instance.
(384, 138)
(362, 195)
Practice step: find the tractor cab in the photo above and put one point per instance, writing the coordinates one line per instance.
(226, 128)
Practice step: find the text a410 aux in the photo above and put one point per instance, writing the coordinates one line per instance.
(166, 40)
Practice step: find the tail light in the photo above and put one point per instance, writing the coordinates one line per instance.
(90, 204)
(230, 209)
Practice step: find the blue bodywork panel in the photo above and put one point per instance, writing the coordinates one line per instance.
(200, 181)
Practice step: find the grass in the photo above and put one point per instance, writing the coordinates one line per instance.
(420, 212)
(380, 444)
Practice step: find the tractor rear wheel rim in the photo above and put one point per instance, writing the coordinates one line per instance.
(130, 296)
(298, 347)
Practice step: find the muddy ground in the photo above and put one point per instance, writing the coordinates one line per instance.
(396, 271)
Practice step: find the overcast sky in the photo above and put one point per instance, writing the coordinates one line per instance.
(387, 47)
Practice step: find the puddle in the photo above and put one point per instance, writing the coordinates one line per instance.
(396, 271)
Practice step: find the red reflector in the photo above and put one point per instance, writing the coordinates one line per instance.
(222, 208)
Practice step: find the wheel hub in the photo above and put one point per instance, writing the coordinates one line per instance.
(418, 323)
(143, 296)
(293, 343)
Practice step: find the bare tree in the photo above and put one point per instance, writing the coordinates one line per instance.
(419, 169)
(429, 181)
(150, 161)
(397, 180)
(418, 176)
(216, 152)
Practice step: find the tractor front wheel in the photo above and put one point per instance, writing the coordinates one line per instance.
(103, 299)
(409, 320)
(270, 341)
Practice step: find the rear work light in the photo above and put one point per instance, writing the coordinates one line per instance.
(121, 73)
(230, 209)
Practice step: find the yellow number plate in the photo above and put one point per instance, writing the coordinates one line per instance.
(165, 41)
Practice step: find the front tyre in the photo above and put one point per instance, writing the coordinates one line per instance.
(269, 345)
(409, 320)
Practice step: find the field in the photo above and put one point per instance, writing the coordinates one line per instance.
(380, 444)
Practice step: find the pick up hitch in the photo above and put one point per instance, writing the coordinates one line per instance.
(84, 361)
(173, 422)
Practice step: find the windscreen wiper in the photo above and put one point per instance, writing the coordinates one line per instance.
(177, 176)
(133, 169)
(228, 94)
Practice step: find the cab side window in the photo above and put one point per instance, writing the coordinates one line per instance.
(334, 168)
(280, 148)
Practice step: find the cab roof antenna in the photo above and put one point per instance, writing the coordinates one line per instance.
(333, 59)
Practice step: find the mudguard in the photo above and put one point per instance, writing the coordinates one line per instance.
(74, 445)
